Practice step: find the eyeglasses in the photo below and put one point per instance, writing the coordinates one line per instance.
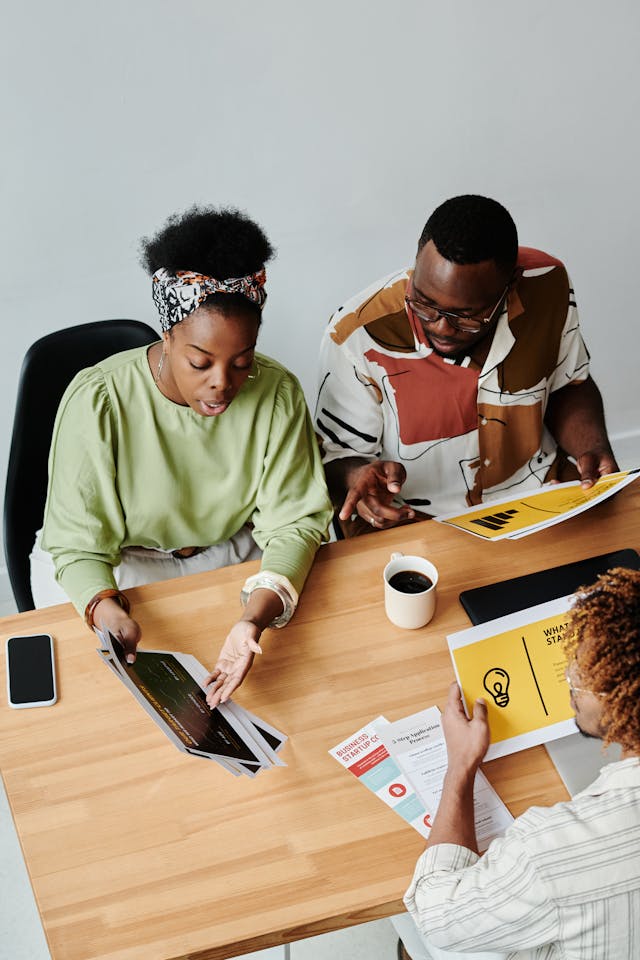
(465, 323)
(573, 689)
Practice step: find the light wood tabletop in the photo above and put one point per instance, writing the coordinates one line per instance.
(139, 852)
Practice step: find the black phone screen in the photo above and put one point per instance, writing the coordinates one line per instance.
(30, 668)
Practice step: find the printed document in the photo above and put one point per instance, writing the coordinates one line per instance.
(517, 663)
(417, 745)
(170, 686)
(509, 518)
(404, 764)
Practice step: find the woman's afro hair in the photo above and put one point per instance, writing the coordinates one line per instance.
(219, 242)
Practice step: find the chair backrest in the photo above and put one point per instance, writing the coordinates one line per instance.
(47, 369)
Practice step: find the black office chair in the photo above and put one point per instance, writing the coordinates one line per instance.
(48, 367)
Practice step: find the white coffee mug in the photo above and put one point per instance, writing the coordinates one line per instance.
(409, 601)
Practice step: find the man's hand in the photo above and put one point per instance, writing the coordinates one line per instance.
(467, 740)
(595, 464)
(467, 743)
(575, 416)
(109, 615)
(234, 662)
(370, 490)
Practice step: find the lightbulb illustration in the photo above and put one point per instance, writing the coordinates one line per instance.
(496, 683)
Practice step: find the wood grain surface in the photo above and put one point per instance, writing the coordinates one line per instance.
(138, 852)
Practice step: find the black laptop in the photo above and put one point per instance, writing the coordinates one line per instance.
(499, 599)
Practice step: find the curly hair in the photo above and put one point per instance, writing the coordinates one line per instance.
(603, 631)
(218, 242)
(470, 229)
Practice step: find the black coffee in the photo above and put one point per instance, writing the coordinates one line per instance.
(410, 581)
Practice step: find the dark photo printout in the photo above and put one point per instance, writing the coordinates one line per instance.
(176, 697)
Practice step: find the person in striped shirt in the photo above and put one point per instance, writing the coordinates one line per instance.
(563, 881)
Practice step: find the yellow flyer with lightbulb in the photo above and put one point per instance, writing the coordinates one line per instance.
(517, 663)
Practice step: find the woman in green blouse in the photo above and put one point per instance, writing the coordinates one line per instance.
(185, 455)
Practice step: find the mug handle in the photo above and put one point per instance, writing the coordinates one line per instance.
(397, 556)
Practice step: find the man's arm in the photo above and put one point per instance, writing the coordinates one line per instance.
(575, 416)
(458, 900)
(467, 743)
(349, 424)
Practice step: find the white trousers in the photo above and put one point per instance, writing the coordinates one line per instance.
(139, 565)
(419, 948)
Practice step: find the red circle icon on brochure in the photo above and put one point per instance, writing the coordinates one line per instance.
(427, 820)
(397, 790)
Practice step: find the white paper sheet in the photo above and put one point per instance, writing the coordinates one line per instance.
(417, 745)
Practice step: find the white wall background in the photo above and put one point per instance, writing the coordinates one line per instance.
(339, 126)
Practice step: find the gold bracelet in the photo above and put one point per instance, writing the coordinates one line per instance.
(110, 594)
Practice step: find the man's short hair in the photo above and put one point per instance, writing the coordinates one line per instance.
(603, 636)
(471, 229)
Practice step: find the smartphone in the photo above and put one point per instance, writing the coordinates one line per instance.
(31, 675)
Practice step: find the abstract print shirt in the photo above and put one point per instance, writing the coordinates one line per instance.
(464, 434)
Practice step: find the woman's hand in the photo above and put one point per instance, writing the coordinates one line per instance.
(109, 615)
(234, 661)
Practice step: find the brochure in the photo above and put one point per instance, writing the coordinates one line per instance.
(365, 756)
(517, 663)
(404, 764)
(169, 685)
(509, 518)
(418, 746)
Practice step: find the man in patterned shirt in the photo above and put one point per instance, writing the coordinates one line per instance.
(564, 881)
(461, 380)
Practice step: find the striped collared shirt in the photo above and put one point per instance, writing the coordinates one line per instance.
(563, 883)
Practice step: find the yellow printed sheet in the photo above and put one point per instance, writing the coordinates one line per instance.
(514, 518)
(517, 663)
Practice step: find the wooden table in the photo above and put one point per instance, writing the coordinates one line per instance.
(138, 852)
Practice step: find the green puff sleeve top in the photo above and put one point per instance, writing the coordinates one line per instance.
(128, 467)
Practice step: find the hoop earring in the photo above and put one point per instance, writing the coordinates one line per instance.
(256, 367)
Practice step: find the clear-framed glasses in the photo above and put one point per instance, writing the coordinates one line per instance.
(574, 689)
(464, 322)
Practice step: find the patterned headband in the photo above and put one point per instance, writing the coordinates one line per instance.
(176, 295)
